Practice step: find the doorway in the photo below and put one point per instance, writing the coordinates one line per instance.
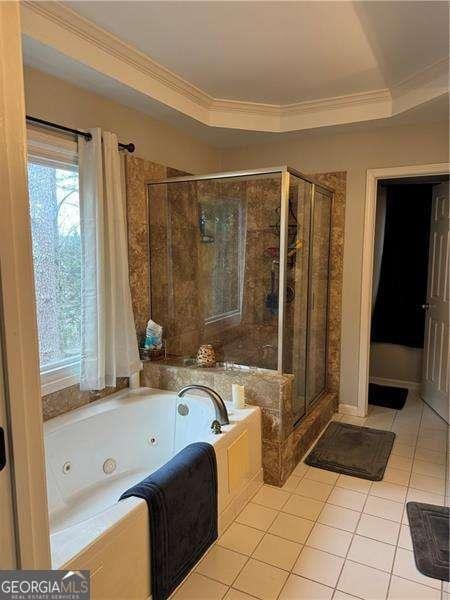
(409, 313)
(408, 173)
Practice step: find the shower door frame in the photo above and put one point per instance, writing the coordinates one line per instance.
(285, 173)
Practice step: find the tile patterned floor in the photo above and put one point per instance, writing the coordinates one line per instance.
(329, 536)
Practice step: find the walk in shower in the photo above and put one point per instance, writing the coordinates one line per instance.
(240, 260)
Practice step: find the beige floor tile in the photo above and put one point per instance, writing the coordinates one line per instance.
(400, 462)
(261, 580)
(277, 551)
(396, 476)
(404, 539)
(197, 587)
(405, 439)
(221, 564)
(300, 470)
(233, 594)
(298, 588)
(386, 509)
(437, 458)
(354, 483)
(404, 566)
(291, 528)
(319, 566)
(241, 538)
(271, 497)
(329, 539)
(363, 581)
(434, 433)
(339, 517)
(431, 443)
(321, 475)
(402, 589)
(338, 595)
(414, 495)
(403, 450)
(427, 484)
(372, 553)
(410, 427)
(301, 506)
(255, 515)
(291, 483)
(390, 491)
(379, 421)
(313, 489)
(347, 498)
(379, 529)
(431, 469)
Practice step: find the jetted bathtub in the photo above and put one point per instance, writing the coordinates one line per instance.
(98, 451)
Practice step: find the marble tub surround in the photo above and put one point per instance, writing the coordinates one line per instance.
(264, 388)
(70, 398)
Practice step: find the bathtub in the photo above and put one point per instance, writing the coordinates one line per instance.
(96, 452)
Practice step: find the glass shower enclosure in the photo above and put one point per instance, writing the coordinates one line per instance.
(240, 260)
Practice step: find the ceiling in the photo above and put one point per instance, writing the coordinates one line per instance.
(268, 67)
(281, 52)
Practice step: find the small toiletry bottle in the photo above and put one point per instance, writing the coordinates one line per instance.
(238, 395)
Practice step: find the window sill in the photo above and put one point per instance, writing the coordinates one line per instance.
(59, 378)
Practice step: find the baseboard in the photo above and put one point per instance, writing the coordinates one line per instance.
(411, 385)
(350, 409)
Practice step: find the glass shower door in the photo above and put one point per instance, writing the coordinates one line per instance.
(296, 296)
(318, 295)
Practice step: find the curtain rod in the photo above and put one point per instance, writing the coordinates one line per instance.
(87, 136)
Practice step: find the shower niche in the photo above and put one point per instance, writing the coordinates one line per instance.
(240, 260)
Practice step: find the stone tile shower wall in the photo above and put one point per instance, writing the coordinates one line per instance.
(186, 290)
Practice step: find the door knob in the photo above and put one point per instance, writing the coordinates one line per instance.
(425, 306)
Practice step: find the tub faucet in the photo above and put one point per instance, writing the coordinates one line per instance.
(219, 404)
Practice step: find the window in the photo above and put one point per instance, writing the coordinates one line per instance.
(56, 245)
(222, 258)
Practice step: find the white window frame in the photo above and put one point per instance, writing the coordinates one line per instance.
(58, 151)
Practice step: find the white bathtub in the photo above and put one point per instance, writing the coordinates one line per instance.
(95, 453)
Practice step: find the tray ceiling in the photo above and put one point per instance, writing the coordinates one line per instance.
(264, 66)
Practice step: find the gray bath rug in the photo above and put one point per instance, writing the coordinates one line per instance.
(352, 450)
(429, 526)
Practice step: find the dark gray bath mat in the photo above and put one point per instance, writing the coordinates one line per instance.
(387, 396)
(429, 526)
(352, 450)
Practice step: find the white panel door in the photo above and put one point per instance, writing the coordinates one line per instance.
(435, 382)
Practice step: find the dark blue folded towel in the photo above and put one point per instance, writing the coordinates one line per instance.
(182, 502)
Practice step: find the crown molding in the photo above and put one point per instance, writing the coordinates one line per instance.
(57, 26)
(422, 86)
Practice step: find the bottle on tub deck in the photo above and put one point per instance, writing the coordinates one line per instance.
(238, 395)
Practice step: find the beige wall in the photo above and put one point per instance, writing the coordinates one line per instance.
(354, 152)
(56, 100)
(392, 361)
